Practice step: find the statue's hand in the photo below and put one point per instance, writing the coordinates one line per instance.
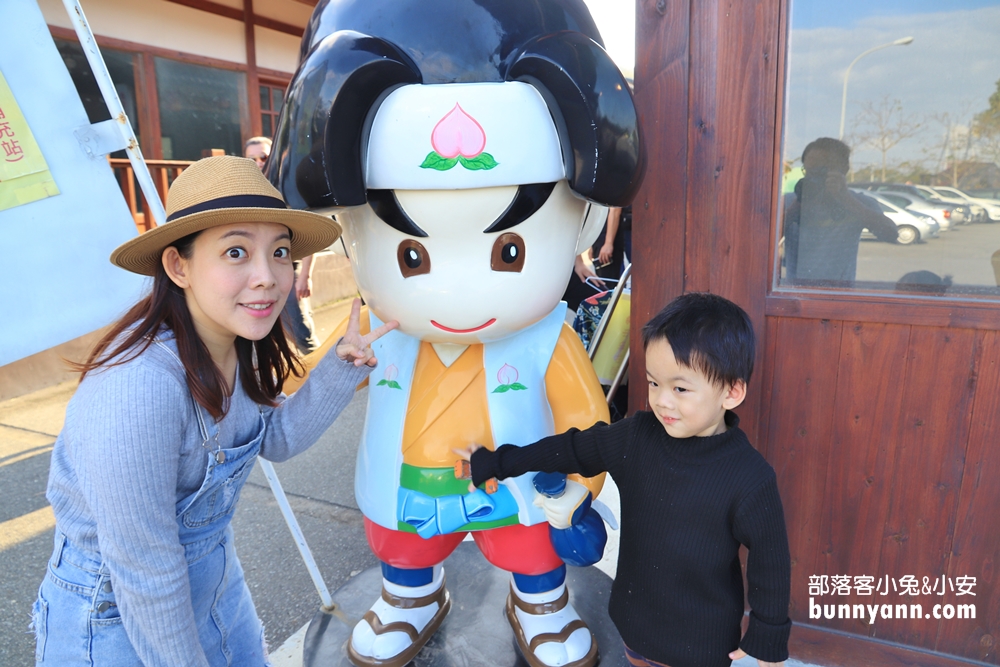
(561, 511)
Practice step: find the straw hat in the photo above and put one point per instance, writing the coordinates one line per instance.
(219, 191)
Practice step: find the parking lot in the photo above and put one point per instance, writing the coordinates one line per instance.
(962, 252)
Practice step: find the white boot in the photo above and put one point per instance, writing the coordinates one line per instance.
(400, 622)
(548, 630)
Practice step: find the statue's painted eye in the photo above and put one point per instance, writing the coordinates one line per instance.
(413, 258)
(508, 253)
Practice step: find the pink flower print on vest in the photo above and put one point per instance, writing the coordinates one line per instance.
(507, 377)
(389, 377)
(458, 139)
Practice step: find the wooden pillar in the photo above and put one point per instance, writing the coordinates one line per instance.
(706, 84)
(253, 81)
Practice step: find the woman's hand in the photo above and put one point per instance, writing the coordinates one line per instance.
(357, 347)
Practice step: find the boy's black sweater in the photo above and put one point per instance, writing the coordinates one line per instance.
(686, 506)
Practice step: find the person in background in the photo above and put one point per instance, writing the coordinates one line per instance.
(608, 250)
(824, 221)
(923, 281)
(625, 225)
(296, 316)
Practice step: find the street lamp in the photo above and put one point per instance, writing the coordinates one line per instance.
(903, 41)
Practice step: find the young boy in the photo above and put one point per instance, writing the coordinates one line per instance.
(692, 489)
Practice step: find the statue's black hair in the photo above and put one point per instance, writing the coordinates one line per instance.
(355, 52)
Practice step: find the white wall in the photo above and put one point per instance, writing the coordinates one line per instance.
(158, 23)
(56, 282)
(286, 11)
(276, 50)
(171, 26)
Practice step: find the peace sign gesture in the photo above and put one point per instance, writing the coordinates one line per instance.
(355, 346)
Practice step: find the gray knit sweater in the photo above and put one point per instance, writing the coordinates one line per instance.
(131, 449)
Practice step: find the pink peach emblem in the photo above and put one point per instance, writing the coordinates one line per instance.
(507, 374)
(458, 133)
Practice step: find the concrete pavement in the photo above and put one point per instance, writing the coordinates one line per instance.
(319, 485)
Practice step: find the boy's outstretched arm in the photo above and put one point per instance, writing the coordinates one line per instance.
(759, 524)
(597, 449)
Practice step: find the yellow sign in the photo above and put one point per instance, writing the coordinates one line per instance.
(24, 174)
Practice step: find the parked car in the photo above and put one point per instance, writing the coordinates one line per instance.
(992, 206)
(941, 212)
(978, 212)
(960, 215)
(911, 227)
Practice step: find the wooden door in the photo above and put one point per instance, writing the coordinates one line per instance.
(878, 413)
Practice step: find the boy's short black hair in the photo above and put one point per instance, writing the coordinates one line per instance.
(707, 333)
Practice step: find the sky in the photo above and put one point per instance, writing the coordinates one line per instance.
(951, 66)
(616, 21)
(845, 13)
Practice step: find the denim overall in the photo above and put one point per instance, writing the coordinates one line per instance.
(77, 621)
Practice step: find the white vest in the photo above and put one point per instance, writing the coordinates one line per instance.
(518, 407)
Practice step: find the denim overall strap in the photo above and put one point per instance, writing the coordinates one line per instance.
(78, 596)
(228, 626)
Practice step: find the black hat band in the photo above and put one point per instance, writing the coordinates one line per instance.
(232, 201)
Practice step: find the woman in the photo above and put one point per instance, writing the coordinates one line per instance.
(174, 405)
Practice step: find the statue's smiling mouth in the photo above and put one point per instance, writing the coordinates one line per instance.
(464, 331)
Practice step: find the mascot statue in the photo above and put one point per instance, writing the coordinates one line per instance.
(470, 149)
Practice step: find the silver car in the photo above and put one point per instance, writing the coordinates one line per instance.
(910, 227)
(977, 212)
(992, 206)
(941, 212)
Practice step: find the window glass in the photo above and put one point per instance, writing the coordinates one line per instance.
(278, 97)
(886, 99)
(120, 67)
(271, 100)
(201, 108)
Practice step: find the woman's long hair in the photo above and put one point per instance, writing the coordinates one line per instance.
(263, 364)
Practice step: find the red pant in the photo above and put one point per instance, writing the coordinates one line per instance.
(520, 549)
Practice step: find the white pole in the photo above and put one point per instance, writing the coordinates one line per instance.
(300, 540)
(903, 41)
(153, 204)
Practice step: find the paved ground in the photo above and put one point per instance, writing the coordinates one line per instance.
(963, 252)
(319, 484)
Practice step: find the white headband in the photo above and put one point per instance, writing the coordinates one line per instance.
(463, 135)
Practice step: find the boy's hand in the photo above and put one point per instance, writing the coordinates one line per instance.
(354, 346)
(466, 455)
(739, 653)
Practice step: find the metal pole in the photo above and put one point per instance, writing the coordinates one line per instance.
(153, 204)
(903, 41)
(300, 540)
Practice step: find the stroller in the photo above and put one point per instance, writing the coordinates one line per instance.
(602, 323)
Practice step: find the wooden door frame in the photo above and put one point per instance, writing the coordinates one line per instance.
(710, 89)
